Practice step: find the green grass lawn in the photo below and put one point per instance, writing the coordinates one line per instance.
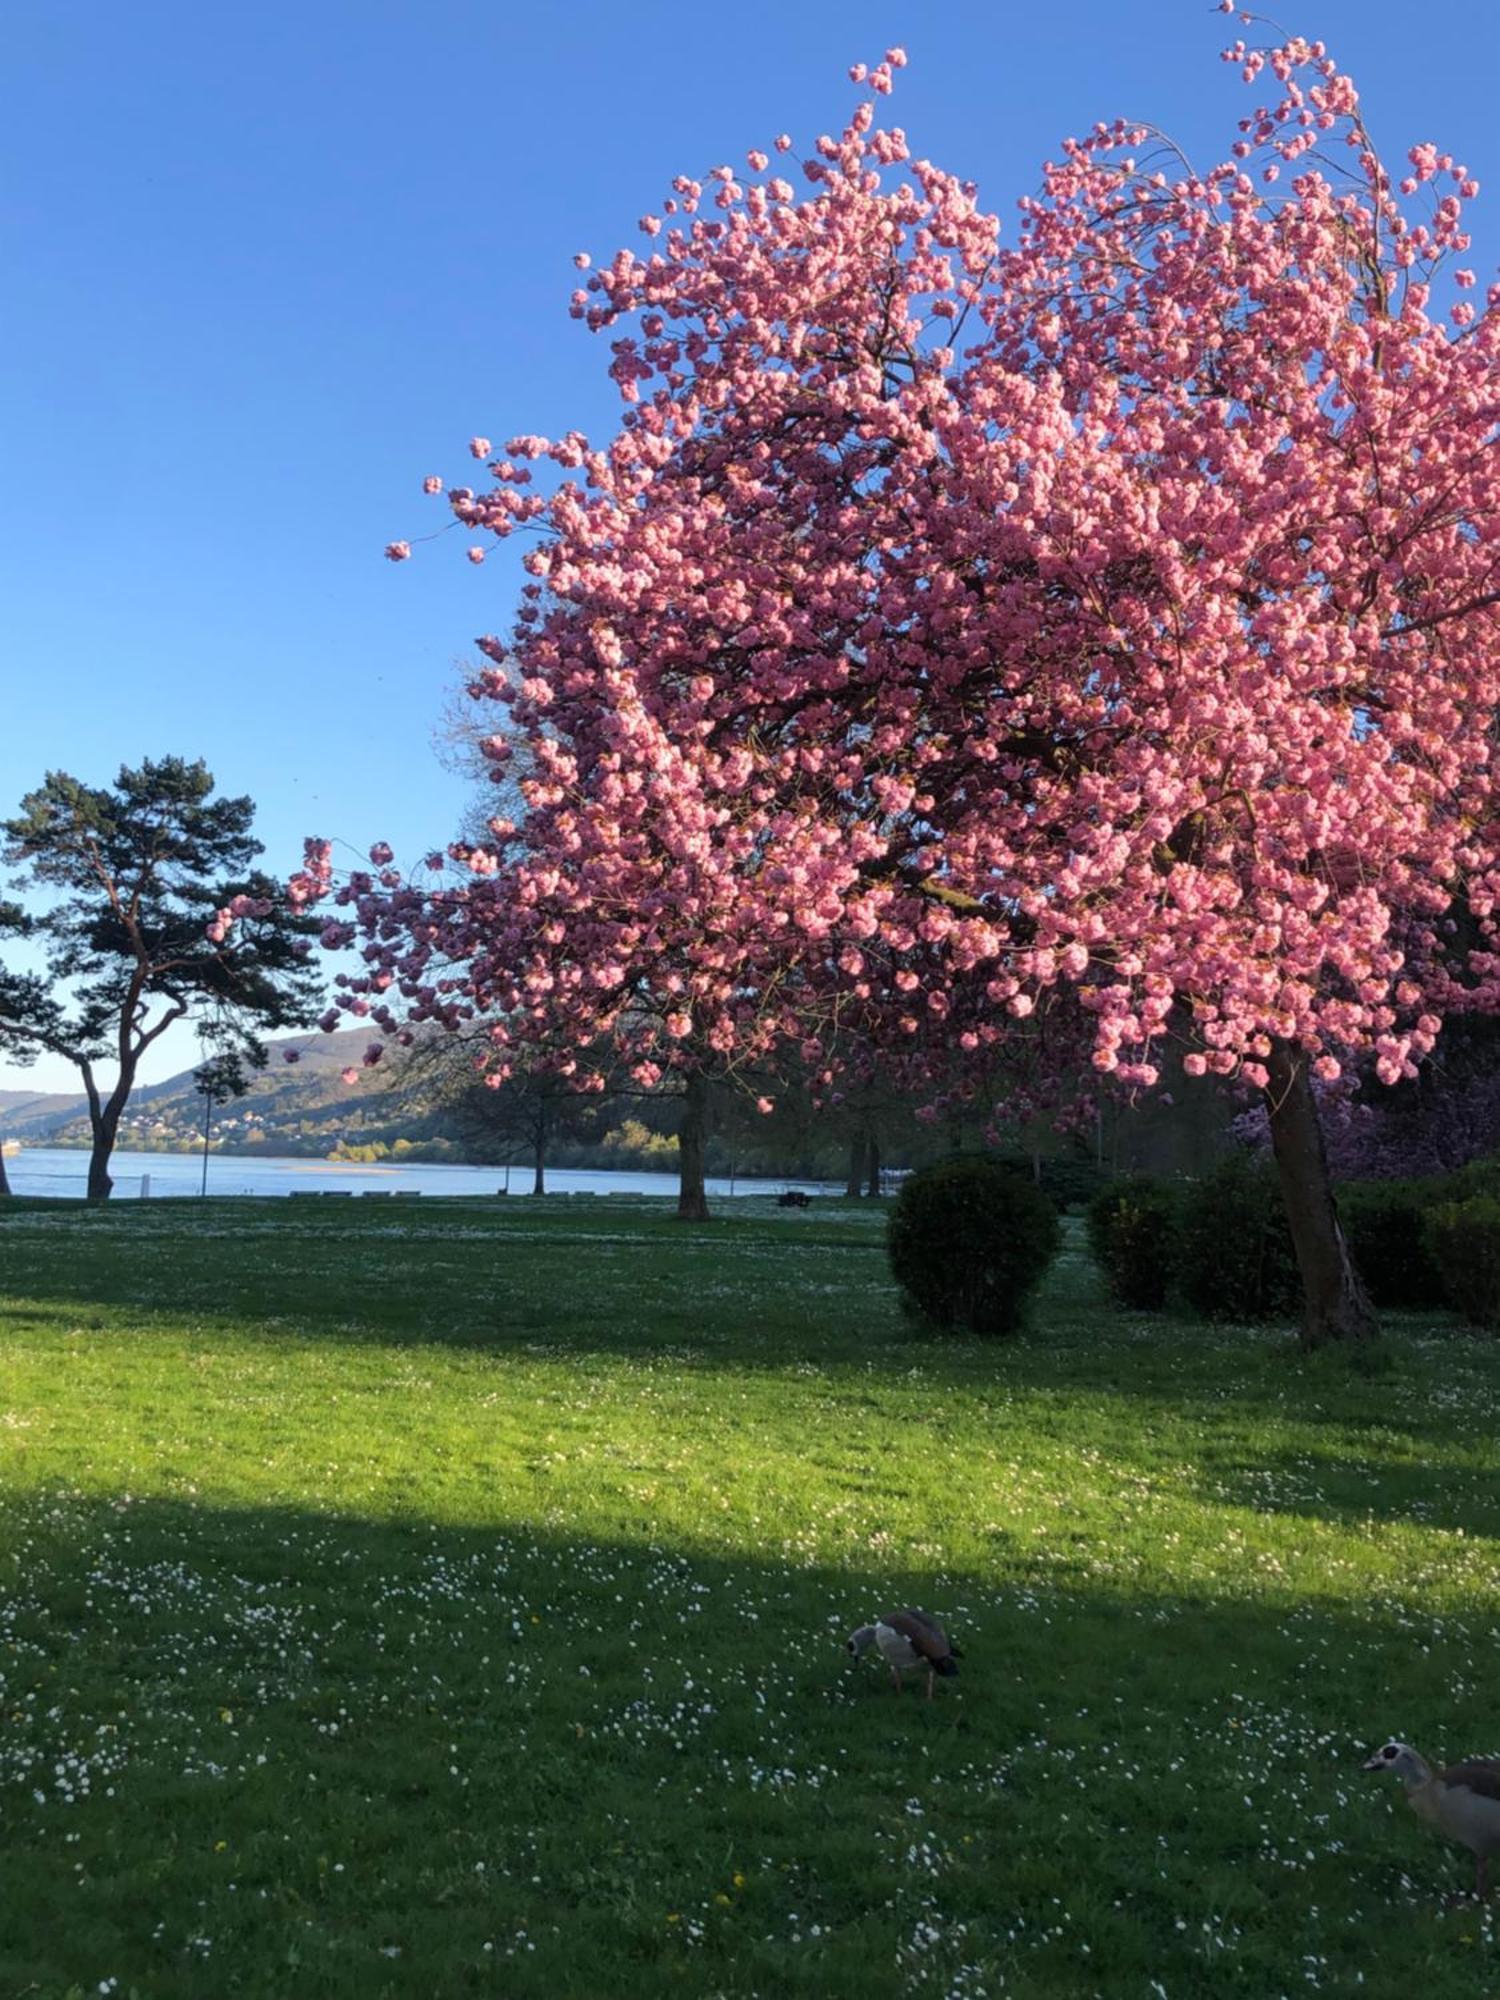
(418, 1598)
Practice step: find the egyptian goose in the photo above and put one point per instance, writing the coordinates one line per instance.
(1462, 1802)
(907, 1639)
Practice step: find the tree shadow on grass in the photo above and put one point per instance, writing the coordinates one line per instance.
(1462, 1497)
(282, 1750)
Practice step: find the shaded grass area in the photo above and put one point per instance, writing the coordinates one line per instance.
(447, 1599)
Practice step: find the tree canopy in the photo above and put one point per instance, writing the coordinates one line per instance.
(148, 910)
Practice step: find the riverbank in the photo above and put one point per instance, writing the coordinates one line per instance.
(62, 1172)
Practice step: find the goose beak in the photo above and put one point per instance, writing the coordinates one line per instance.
(1373, 1764)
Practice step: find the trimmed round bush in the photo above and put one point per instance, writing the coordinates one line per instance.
(1234, 1249)
(1385, 1225)
(969, 1241)
(1132, 1228)
(1464, 1238)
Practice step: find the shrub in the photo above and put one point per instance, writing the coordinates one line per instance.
(1022, 1166)
(1067, 1181)
(1478, 1177)
(969, 1241)
(1464, 1237)
(1235, 1256)
(1072, 1182)
(1385, 1225)
(1132, 1228)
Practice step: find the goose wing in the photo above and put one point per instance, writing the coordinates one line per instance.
(1479, 1775)
(923, 1634)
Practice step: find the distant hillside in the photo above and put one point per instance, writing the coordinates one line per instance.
(300, 1107)
(29, 1113)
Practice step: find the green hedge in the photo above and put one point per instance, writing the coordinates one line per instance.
(1132, 1226)
(1235, 1256)
(1384, 1224)
(1464, 1240)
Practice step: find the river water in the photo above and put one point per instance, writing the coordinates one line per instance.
(44, 1170)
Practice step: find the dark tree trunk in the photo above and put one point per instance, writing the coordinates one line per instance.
(4, 1181)
(101, 1181)
(872, 1185)
(539, 1152)
(1335, 1305)
(692, 1136)
(104, 1122)
(855, 1179)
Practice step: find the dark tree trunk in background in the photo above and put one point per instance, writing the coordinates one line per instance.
(1335, 1305)
(692, 1137)
(539, 1152)
(855, 1179)
(4, 1182)
(872, 1185)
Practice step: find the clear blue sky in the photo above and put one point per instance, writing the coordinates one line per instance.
(267, 267)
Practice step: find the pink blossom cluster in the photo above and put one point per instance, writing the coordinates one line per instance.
(223, 921)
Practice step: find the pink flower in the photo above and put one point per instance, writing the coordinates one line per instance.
(432, 484)
(397, 551)
(350, 1075)
(475, 555)
(479, 447)
(291, 1055)
(582, 259)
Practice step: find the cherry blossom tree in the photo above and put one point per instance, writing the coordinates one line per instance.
(954, 624)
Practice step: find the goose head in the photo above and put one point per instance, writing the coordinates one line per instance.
(1406, 1763)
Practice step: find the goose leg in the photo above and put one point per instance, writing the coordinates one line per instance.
(896, 1677)
(931, 1682)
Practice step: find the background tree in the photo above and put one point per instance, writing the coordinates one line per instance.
(521, 1117)
(220, 1080)
(148, 911)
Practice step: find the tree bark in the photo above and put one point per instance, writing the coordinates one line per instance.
(539, 1152)
(692, 1136)
(855, 1179)
(104, 1120)
(872, 1185)
(101, 1181)
(4, 1180)
(1335, 1305)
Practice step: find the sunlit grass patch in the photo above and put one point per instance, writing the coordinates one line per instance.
(450, 1600)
